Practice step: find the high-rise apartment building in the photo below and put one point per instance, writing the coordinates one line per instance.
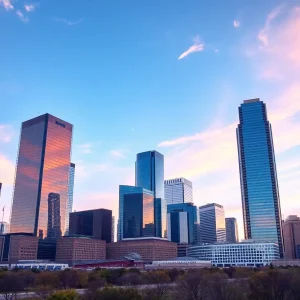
(178, 190)
(258, 175)
(212, 223)
(183, 223)
(95, 223)
(42, 168)
(70, 195)
(232, 234)
(291, 237)
(149, 174)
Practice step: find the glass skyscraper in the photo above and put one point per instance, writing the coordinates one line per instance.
(42, 168)
(258, 175)
(70, 195)
(178, 190)
(149, 174)
(212, 223)
(232, 234)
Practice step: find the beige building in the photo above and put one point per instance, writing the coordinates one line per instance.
(23, 247)
(149, 249)
(291, 236)
(72, 249)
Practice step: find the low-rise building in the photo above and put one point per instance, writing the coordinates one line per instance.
(245, 254)
(187, 263)
(72, 249)
(149, 249)
(182, 249)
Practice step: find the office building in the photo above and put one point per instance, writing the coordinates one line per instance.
(212, 223)
(246, 254)
(72, 250)
(149, 174)
(178, 190)
(95, 223)
(4, 227)
(149, 249)
(42, 168)
(70, 195)
(113, 229)
(47, 249)
(232, 234)
(54, 228)
(182, 249)
(291, 237)
(258, 176)
(183, 223)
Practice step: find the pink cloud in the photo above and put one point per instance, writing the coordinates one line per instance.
(7, 4)
(197, 47)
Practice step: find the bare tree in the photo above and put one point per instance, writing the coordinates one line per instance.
(10, 285)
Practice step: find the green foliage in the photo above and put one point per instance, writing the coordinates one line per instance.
(64, 295)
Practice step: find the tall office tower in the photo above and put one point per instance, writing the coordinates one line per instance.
(70, 195)
(232, 234)
(178, 190)
(183, 223)
(42, 168)
(258, 175)
(136, 212)
(54, 227)
(95, 223)
(212, 223)
(113, 224)
(291, 237)
(149, 174)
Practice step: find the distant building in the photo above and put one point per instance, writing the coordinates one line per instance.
(178, 190)
(291, 237)
(149, 249)
(95, 223)
(70, 195)
(232, 234)
(149, 174)
(54, 227)
(47, 249)
(113, 229)
(258, 175)
(183, 223)
(188, 263)
(42, 168)
(245, 254)
(212, 223)
(4, 227)
(182, 249)
(73, 250)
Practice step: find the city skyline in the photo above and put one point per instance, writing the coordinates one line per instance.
(137, 112)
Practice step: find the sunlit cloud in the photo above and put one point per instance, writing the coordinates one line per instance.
(196, 47)
(236, 23)
(6, 4)
(21, 16)
(68, 22)
(29, 7)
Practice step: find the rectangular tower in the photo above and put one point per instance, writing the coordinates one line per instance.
(149, 174)
(70, 195)
(258, 175)
(232, 235)
(291, 237)
(178, 190)
(42, 169)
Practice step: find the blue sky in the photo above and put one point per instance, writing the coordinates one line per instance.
(112, 69)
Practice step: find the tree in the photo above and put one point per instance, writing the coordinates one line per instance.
(69, 279)
(64, 295)
(111, 293)
(131, 279)
(10, 284)
(161, 282)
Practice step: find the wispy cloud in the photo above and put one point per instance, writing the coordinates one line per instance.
(6, 4)
(117, 154)
(68, 22)
(196, 47)
(6, 133)
(30, 7)
(21, 16)
(236, 23)
(85, 148)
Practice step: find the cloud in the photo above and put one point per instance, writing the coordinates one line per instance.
(7, 170)
(68, 22)
(29, 7)
(263, 35)
(117, 154)
(85, 148)
(6, 4)
(196, 47)
(236, 23)
(21, 16)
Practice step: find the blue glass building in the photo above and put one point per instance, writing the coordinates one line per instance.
(70, 195)
(183, 223)
(149, 174)
(258, 176)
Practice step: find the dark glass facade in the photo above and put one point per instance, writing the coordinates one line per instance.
(95, 223)
(138, 215)
(149, 174)
(42, 168)
(232, 235)
(54, 227)
(258, 176)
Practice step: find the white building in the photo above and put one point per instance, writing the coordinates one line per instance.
(245, 254)
(178, 190)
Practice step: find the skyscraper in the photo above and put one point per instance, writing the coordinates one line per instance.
(232, 234)
(291, 237)
(141, 212)
(149, 174)
(183, 223)
(212, 223)
(178, 190)
(54, 227)
(70, 195)
(258, 176)
(42, 168)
